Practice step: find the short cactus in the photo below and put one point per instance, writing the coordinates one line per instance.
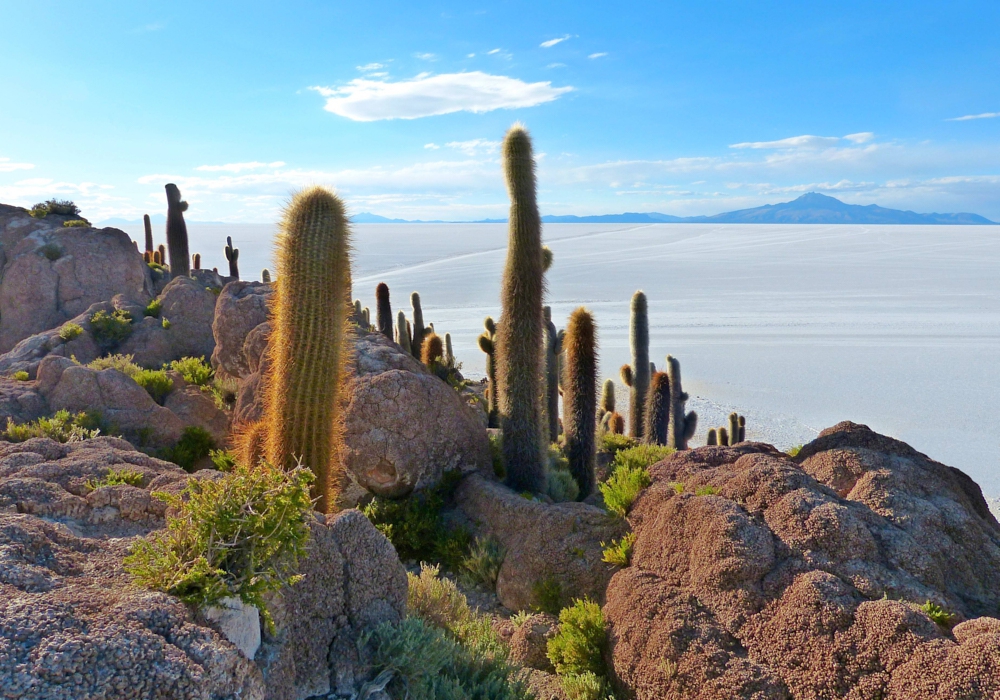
(449, 354)
(711, 438)
(196, 261)
(367, 316)
(432, 352)
(682, 424)
(383, 310)
(743, 429)
(553, 347)
(402, 335)
(177, 235)
(302, 404)
(486, 344)
(233, 256)
(734, 428)
(580, 398)
(546, 258)
(157, 259)
(148, 226)
(723, 437)
(418, 325)
(639, 342)
(265, 276)
(162, 250)
(657, 410)
(616, 424)
(607, 404)
(521, 332)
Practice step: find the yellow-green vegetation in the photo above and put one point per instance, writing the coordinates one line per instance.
(641, 456)
(115, 477)
(153, 308)
(621, 490)
(69, 331)
(166, 324)
(678, 487)
(62, 207)
(482, 564)
(111, 329)
(415, 527)
(195, 444)
(560, 484)
(577, 649)
(76, 223)
(194, 370)
(224, 391)
(238, 536)
(223, 460)
(706, 490)
(61, 427)
(793, 451)
(619, 552)
(20, 376)
(938, 615)
(546, 595)
(586, 686)
(613, 443)
(155, 381)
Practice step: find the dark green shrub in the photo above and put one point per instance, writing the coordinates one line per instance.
(114, 477)
(547, 594)
(61, 427)
(560, 484)
(194, 370)
(577, 647)
(62, 207)
(239, 536)
(111, 329)
(69, 331)
(195, 443)
(51, 251)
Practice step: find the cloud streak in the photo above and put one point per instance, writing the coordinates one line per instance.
(238, 167)
(599, 54)
(970, 117)
(6, 166)
(552, 42)
(427, 95)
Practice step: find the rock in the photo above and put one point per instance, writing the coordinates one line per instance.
(237, 622)
(805, 581)
(193, 406)
(190, 308)
(73, 625)
(555, 546)
(28, 353)
(242, 306)
(529, 642)
(404, 427)
(51, 274)
(20, 401)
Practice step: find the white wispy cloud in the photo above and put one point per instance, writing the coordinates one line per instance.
(970, 117)
(370, 67)
(428, 95)
(239, 167)
(426, 56)
(806, 141)
(6, 166)
(556, 65)
(599, 54)
(475, 146)
(860, 137)
(470, 55)
(552, 42)
(431, 146)
(492, 52)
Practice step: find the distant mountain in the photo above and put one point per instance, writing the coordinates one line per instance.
(811, 208)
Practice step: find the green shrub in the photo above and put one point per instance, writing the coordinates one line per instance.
(223, 460)
(482, 565)
(938, 615)
(613, 443)
(224, 391)
(425, 663)
(153, 308)
(76, 223)
(195, 443)
(114, 477)
(547, 594)
(194, 370)
(707, 490)
(51, 251)
(62, 427)
(639, 457)
(110, 329)
(621, 490)
(576, 648)
(586, 686)
(21, 376)
(156, 383)
(496, 452)
(166, 324)
(122, 363)
(238, 536)
(69, 331)
(62, 207)
(560, 484)
(436, 600)
(793, 451)
(619, 552)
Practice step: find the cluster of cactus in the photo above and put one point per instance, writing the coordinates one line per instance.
(177, 236)
(636, 375)
(487, 345)
(553, 350)
(734, 434)
(580, 398)
(233, 256)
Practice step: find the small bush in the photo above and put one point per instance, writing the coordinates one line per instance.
(224, 391)
(51, 251)
(547, 594)
(61, 427)
(560, 484)
(223, 460)
(793, 451)
(122, 363)
(153, 308)
(576, 648)
(586, 686)
(156, 383)
(619, 552)
(435, 600)
(520, 617)
(482, 565)
(111, 329)
(640, 456)
(613, 443)
(69, 331)
(195, 443)
(238, 536)
(76, 223)
(621, 490)
(166, 324)
(62, 207)
(194, 370)
(706, 491)
(21, 376)
(114, 477)
(938, 615)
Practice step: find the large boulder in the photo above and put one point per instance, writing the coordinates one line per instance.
(20, 402)
(242, 306)
(786, 580)
(49, 274)
(73, 625)
(28, 353)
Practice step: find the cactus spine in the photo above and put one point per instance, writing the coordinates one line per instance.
(639, 384)
(418, 325)
(520, 334)
(580, 398)
(308, 344)
(402, 336)
(553, 347)
(148, 226)
(233, 255)
(383, 310)
(657, 410)
(487, 345)
(196, 261)
(265, 276)
(711, 438)
(177, 235)
(682, 425)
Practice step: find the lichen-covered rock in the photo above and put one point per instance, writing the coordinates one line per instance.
(529, 642)
(73, 625)
(551, 550)
(804, 581)
(49, 274)
(242, 306)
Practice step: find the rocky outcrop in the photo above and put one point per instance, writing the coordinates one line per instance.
(553, 551)
(20, 402)
(242, 306)
(49, 274)
(72, 624)
(790, 580)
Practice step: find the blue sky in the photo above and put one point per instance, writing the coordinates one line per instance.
(681, 108)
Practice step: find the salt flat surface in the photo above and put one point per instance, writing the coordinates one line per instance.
(796, 327)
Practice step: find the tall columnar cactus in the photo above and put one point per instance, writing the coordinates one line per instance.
(521, 331)
(580, 398)
(148, 226)
(196, 261)
(383, 310)
(432, 352)
(657, 410)
(608, 397)
(449, 354)
(682, 425)
(265, 276)
(743, 429)
(402, 335)
(418, 325)
(553, 346)
(233, 256)
(367, 316)
(177, 234)
(487, 345)
(711, 438)
(639, 384)
(308, 341)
